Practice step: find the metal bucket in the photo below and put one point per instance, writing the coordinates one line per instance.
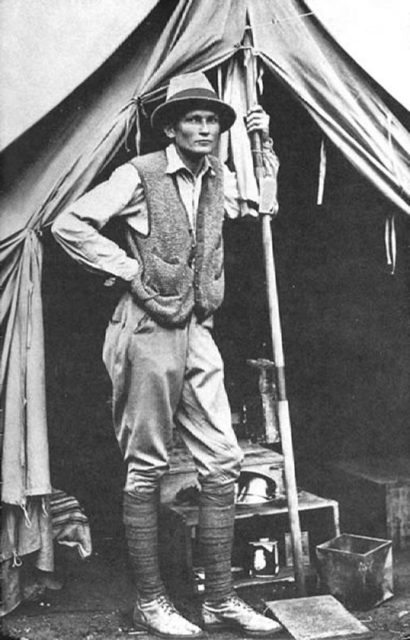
(357, 570)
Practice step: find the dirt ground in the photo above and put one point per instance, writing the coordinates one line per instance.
(95, 603)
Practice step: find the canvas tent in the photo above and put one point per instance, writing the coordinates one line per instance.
(72, 144)
(376, 38)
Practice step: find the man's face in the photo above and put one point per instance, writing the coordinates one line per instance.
(196, 133)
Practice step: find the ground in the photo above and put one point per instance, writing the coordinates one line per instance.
(97, 596)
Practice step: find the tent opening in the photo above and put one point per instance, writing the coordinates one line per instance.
(344, 324)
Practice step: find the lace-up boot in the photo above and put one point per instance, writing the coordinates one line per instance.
(160, 617)
(234, 613)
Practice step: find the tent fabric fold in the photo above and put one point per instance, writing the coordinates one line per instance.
(235, 143)
(25, 463)
(183, 36)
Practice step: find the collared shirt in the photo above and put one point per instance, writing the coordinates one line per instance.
(189, 185)
(77, 228)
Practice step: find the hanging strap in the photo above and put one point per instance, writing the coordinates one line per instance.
(26, 515)
(390, 242)
(322, 173)
(219, 81)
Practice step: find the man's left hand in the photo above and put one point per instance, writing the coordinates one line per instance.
(258, 120)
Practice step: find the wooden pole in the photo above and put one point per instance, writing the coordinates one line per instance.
(276, 336)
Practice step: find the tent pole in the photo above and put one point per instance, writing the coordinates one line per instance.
(276, 336)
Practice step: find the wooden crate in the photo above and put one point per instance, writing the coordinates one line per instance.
(374, 497)
(318, 516)
(182, 473)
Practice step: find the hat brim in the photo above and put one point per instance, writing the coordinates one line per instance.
(168, 111)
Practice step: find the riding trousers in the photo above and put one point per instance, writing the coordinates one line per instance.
(166, 376)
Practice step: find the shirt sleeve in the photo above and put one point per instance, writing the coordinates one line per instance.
(78, 227)
(231, 194)
(232, 200)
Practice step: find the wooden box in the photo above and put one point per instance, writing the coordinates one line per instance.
(182, 473)
(318, 516)
(374, 497)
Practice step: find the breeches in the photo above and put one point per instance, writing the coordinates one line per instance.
(163, 377)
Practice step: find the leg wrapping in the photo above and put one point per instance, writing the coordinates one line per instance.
(216, 530)
(141, 530)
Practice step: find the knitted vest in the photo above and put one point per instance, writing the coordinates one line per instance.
(179, 273)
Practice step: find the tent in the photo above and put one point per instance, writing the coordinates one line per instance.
(84, 117)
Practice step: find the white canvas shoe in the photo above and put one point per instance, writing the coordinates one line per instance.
(235, 613)
(160, 617)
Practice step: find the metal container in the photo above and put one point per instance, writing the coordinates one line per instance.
(357, 570)
(263, 558)
(255, 489)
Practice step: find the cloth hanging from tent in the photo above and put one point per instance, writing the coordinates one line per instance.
(235, 145)
(235, 142)
(390, 243)
(25, 464)
(57, 518)
(322, 173)
(30, 535)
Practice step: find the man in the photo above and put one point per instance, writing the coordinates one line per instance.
(159, 352)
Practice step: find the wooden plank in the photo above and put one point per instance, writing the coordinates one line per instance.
(318, 618)
(307, 502)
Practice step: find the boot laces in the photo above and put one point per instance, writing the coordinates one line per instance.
(238, 602)
(166, 605)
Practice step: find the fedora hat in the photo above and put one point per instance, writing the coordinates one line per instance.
(188, 92)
